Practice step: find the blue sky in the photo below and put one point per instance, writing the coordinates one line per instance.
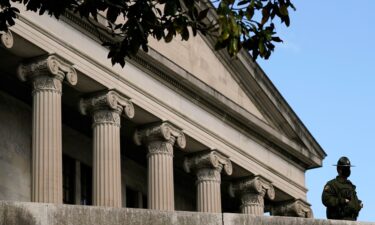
(325, 71)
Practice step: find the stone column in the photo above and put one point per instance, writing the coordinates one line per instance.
(252, 191)
(105, 109)
(160, 139)
(6, 39)
(292, 208)
(208, 166)
(46, 75)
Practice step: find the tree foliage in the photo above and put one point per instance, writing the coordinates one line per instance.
(247, 24)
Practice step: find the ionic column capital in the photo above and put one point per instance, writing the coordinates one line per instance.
(47, 73)
(208, 165)
(160, 133)
(254, 185)
(294, 208)
(106, 107)
(6, 39)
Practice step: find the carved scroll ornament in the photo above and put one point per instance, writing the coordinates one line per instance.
(159, 133)
(47, 73)
(256, 185)
(106, 107)
(295, 208)
(6, 39)
(208, 165)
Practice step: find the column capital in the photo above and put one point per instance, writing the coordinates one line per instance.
(46, 72)
(294, 208)
(254, 185)
(6, 39)
(104, 101)
(208, 160)
(160, 132)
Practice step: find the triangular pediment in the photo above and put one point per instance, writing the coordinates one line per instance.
(196, 57)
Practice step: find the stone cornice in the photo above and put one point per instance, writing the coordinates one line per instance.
(211, 159)
(160, 132)
(6, 39)
(257, 185)
(107, 100)
(295, 208)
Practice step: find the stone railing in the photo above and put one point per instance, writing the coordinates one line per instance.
(20, 213)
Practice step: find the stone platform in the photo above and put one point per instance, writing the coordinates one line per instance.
(22, 213)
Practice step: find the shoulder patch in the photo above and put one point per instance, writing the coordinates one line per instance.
(327, 187)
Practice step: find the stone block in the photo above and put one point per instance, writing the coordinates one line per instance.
(240, 219)
(19, 213)
(24, 213)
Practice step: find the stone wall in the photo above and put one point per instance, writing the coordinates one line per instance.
(15, 149)
(19, 213)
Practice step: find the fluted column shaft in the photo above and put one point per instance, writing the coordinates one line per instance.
(46, 140)
(208, 167)
(160, 139)
(160, 176)
(46, 75)
(253, 204)
(208, 190)
(105, 109)
(106, 158)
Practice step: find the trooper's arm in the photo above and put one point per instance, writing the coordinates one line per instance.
(330, 198)
(355, 204)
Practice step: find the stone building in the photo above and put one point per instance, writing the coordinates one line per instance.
(180, 128)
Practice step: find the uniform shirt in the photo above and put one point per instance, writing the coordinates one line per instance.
(334, 194)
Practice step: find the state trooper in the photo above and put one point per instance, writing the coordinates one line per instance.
(339, 195)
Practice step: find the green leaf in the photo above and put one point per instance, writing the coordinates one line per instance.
(276, 39)
(170, 7)
(145, 47)
(234, 46)
(283, 10)
(249, 13)
(224, 35)
(261, 48)
(202, 14)
(220, 45)
(169, 36)
(265, 16)
(287, 21)
(243, 2)
(112, 14)
(185, 33)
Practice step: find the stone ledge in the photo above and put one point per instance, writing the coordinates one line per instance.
(22, 213)
(240, 219)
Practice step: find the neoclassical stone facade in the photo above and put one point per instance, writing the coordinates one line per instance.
(179, 128)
